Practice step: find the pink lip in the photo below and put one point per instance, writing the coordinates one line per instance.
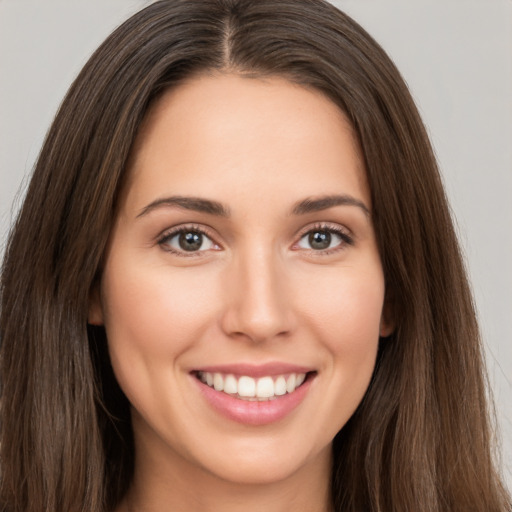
(255, 371)
(253, 413)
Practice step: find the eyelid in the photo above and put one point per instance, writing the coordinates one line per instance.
(344, 233)
(169, 233)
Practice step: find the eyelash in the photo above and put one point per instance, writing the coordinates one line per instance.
(346, 239)
(164, 239)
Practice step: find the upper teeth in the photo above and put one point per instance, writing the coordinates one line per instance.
(246, 387)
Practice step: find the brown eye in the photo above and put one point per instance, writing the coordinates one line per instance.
(324, 239)
(319, 240)
(191, 241)
(187, 241)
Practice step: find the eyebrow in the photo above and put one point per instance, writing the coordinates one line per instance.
(311, 205)
(198, 204)
(187, 203)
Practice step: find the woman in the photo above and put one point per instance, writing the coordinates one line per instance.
(234, 282)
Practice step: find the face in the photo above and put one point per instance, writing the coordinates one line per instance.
(242, 291)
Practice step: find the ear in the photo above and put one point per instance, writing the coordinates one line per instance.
(387, 319)
(95, 316)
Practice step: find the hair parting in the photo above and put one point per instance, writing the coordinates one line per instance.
(421, 438)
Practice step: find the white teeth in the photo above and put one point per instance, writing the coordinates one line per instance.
(265, 387)
(280, 386)
(300, 379)
(218, 382)
(230, 385)
(290, 383)
(248, 388)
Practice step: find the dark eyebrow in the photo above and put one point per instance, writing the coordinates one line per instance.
(310, 205)
(188, 203)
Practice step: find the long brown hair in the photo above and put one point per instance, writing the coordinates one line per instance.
(421, 438)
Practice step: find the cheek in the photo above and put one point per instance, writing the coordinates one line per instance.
(151, 316)
(346, 307)
(345, 318)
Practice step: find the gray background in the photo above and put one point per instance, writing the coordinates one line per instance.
(456, 56)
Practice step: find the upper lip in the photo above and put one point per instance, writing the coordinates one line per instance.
(255, 370)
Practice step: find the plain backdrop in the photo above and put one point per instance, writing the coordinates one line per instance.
(456, 56)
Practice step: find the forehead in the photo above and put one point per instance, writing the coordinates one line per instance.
(233, 130)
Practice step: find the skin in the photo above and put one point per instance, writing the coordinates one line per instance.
(258, 292)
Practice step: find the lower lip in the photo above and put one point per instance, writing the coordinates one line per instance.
(257, 412)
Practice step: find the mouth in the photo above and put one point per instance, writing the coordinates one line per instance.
(254, 395)
(254, 389)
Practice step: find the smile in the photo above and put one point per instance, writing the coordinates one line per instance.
(248, 388)
(254, 395)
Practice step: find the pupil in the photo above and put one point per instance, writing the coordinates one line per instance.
(190, 241)
(320, 239)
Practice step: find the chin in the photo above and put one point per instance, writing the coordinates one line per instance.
(265, 461)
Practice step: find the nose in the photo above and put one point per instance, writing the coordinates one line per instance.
(257, 305)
